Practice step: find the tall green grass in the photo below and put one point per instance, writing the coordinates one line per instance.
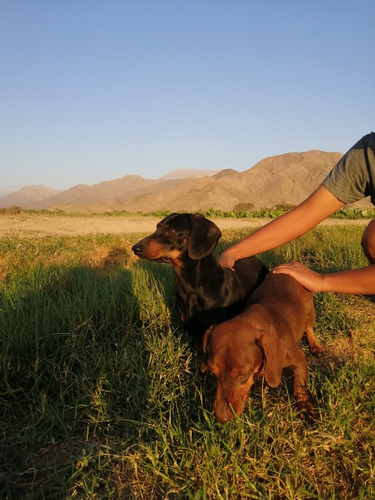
(101, 394)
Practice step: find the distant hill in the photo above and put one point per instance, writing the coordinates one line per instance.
(279, 179)
(184, 173)
(27, 196)
(83, 194)
(282, 179)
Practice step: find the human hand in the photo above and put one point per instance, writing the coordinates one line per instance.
(305, 276)
(227, 260)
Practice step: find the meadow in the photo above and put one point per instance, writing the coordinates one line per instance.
(102, 397)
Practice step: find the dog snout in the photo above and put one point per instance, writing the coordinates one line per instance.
(225, 416)
(138, 248)
(223, 411)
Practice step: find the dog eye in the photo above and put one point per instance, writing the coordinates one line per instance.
(171, 231)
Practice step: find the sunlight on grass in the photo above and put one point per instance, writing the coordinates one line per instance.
(102, 394)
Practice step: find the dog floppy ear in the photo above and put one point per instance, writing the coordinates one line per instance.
(207, 333)
(275, 354)
(203, 237)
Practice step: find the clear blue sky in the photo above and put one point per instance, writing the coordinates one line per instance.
(95, 90)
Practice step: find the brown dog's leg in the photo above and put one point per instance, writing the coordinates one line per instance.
(297, 362)
(314, 346)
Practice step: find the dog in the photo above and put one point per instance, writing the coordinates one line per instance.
(261, 341)
(205, 292)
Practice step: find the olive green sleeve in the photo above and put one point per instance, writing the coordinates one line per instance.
(353, 177)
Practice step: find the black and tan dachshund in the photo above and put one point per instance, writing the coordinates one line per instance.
(206, 293)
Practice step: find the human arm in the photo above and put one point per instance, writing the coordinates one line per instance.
(355, 281)
(317, 207)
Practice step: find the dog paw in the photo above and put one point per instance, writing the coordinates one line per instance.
(307, 412)
(316, 350)
(310, 417)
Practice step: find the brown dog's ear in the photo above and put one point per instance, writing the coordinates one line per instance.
(275, 354)
(203, 237)
(207, 333)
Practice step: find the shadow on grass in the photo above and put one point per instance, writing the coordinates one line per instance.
(74, 370)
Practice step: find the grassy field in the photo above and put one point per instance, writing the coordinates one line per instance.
(101, 395)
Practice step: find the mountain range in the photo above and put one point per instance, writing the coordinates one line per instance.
(282, 179)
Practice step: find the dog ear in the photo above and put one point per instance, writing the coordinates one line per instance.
(206, 335)
(203, 237)
(275, 353)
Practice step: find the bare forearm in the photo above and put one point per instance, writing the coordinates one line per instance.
(274, 234)
(291, 225)
(357, 281)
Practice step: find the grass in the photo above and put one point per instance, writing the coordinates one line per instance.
(101, 395)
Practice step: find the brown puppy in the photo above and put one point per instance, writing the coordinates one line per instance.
(262, 340)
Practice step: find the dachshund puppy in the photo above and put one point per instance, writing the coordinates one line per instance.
(205, 292)
(261, 341)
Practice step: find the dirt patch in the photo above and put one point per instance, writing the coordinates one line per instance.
(27, 225)
(33, 225)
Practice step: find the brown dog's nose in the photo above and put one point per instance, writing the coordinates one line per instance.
(223, 412)
(223, 419)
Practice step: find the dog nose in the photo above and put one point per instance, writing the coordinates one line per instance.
(137, 249)
(223, 418)
(223, 412)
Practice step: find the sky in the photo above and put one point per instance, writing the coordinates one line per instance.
(95, 90)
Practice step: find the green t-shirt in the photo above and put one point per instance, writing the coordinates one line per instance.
(353, 177)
